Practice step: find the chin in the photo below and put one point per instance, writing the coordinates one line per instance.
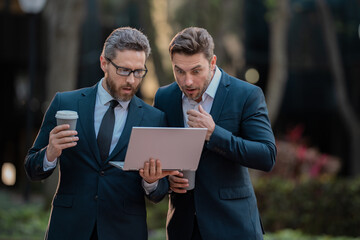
(125, 98)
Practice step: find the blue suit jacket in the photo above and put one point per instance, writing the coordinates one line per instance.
(223, 198)
(90, 191)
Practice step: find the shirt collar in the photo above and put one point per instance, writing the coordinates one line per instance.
(213, 86)
(105, 97)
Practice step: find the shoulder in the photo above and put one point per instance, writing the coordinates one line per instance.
(146, 107)
(75, 94)
(168, 89)
(152, 115)
(167, 94)
(238, 85)
(78, 92)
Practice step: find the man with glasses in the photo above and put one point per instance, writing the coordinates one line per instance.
(95, 200)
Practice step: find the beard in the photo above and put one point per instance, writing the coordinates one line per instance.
(116, 92)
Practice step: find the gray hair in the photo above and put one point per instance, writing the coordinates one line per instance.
(125, 38)
(191, 41)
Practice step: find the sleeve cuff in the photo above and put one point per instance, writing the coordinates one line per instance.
(149, 187)
(48, 165)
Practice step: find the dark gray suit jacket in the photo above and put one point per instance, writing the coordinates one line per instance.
(90, 191)
(223, 198)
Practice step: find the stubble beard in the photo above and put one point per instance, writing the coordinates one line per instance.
(115, 93)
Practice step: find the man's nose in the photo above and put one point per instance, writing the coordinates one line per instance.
(130, 79)
(188, 80)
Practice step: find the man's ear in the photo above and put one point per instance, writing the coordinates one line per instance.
(213, 62)
(103, 63)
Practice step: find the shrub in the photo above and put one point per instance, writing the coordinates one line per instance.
(315, 206)
(21, 221)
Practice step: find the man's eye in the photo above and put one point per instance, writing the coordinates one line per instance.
(124, 70)
(180, 71)
(196, 71)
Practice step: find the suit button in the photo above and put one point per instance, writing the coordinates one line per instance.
(96, 197)
(102, 173)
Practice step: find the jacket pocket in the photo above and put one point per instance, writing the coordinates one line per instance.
(235, 193)
(63, 201)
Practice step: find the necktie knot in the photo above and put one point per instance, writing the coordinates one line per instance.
(113, 103)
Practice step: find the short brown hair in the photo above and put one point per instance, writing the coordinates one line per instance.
(191, 41)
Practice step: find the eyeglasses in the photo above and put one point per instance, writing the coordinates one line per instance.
(122, 71)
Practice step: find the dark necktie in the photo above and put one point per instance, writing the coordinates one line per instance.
(106, 130)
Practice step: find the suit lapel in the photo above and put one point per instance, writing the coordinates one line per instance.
(86, 118)
(135, 114)
(220, 96)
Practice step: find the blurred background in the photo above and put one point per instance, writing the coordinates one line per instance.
(304, 54)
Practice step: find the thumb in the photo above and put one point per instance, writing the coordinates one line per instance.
(171, 173)
(201, 110)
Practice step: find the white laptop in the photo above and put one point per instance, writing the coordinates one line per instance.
(176, 148)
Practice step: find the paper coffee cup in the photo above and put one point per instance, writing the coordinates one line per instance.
(190, 175)
(67, 117)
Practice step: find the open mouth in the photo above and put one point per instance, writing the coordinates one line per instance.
(127, 89)
(190, 90)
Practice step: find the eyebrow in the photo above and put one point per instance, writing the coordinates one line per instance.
(197, 66)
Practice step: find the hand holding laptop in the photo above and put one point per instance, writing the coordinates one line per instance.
(152, 171)
(177, 148)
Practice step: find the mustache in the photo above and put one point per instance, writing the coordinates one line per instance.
(127, 86)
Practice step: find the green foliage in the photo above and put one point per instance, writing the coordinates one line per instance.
(315, 206)
(21, 221)
(286, 234)
(156, 214)
(289, 234)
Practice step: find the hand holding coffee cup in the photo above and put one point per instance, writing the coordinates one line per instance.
(182, 182)
(62, 136)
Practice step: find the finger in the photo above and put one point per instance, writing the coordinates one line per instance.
(66, 133)
(60, 128)
(141, 172)
(177, 180)
(191, 124)
(152, 167)
(146, 169)
(178, 190)
(191, 118)
(170, 173)
(201, 110)
(67, 145)
(193, 112)
(158, 168)
(65, 140)
(179, 185)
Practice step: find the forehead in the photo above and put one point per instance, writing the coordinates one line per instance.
(130, 58)
(187, 62)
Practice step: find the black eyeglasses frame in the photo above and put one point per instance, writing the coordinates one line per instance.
(128, 69)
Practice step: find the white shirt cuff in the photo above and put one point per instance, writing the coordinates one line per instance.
(48, 165)
(149, 187)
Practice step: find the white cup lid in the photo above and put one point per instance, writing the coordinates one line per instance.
(66, 114)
